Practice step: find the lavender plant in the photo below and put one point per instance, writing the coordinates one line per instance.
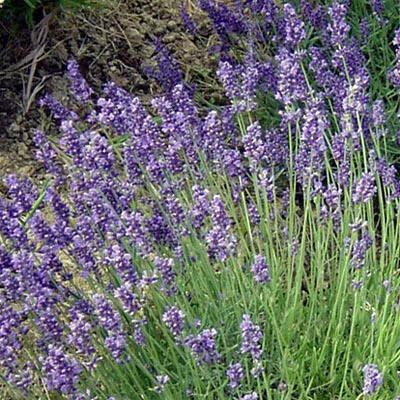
(247, 251)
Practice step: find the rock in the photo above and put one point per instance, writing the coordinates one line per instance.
(171, 25)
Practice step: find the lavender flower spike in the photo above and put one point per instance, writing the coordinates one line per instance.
(203, 346)
(394, 74)
(251, 338)
(235, 374)
(294, 32)
(260, 270)
(79, 86)
(364, 189)
(373, 379)
(174, 320)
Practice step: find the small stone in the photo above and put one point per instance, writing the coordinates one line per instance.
(171, 25)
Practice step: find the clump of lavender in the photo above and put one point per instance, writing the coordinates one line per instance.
(145, 202)
(373, 379)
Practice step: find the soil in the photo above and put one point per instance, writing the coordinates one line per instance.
(110, 43)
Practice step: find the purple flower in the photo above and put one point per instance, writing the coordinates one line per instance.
(81, 335)
(61, 371)
(174, 319)
(364, 30)
(225, 20)
(338, 28)
(364, 188)
(378, 6)
(169, 73)
(22, 193)
(373, 379)
(110, 319)
(292, 86)
(386, 172)
(311, 155)
(81, 90)
(254, 148)
(164, 267)
(220, 240)
(235, 373)
(59, 112)
(293, 27)
(379, 117)
(121, 260)
(188, 21)
(332, 196)
(242, 81)
(201, 206)
(360, 249)
(203, 346)
(260, 269)
(394, 74)
(97, 152)
(315, 15)
(251, 338)
(129, 299)
(139, 336)
(229, 75)
(213, 134)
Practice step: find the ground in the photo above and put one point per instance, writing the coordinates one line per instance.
(110, 43)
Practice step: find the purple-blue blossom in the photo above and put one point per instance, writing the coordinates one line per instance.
(252, 337)
(174, 319)
(81, 90)
(235, 374)
(260, 269)
(204, 347)
(364, 188)
(373, 379)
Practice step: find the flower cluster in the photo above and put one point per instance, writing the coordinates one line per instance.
(373, 379)
(149, 212)
(251, 338)
(204, 346)
(260, 270)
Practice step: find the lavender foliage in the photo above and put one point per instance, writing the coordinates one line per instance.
(147, 205)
